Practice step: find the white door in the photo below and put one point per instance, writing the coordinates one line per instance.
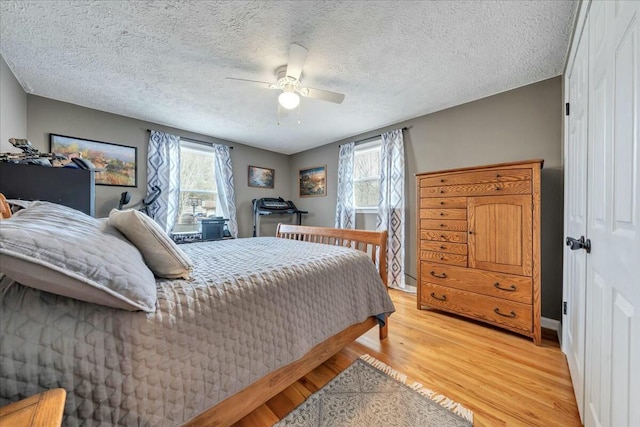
(612, 374)
(573, 340)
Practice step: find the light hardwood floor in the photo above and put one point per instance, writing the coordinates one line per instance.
(503, 378)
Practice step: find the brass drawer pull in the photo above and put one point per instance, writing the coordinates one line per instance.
(443, 276)
(497, 311)
(444, 297)
(511, 288)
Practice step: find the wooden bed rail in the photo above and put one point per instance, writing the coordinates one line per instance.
(373, 243)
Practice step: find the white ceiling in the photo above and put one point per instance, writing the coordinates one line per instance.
(166, 62)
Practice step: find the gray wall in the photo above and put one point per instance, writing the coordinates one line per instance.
(524, 123)
(13, 108)
(49, 116)
(521, 124)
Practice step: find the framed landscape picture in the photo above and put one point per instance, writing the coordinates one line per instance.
(313, 181)
(118, 164)
(261, 177)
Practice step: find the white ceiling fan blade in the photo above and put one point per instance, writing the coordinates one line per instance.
(324, 95)
(297, 56)
(263, 85)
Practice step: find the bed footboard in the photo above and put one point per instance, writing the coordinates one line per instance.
(373, 243)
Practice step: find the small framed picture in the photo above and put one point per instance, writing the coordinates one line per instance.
(261, 177)
(312, 182)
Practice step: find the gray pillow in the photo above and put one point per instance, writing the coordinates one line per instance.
(17, 204)
(63, 251)
(160, 253)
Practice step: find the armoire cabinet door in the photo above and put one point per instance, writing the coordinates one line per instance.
(500, 233)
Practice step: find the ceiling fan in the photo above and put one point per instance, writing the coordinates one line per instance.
(288, 81)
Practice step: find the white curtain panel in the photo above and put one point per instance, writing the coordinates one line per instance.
(391, 204)
(224, 183)
(345, 206)
(163, 170)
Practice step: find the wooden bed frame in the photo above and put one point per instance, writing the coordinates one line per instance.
(234, 408)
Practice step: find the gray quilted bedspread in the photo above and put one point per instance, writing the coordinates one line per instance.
(252, 306)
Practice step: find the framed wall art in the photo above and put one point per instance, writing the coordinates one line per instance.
(261, 177)
(117, 164)
(312, 182)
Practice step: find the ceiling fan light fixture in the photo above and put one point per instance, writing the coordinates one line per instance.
(289, 100)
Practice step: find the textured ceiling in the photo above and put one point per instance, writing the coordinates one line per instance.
(166, 62)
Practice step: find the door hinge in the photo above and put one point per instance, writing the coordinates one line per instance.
(564, 307)
(566, 109)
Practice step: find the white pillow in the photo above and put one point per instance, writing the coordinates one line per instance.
(161, 253)
(60, 250)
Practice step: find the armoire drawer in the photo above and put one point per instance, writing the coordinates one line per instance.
(444, 224)
(493, 310)
(494, 189)
(452, 248)
(482, 177)
(443, 203)
(443, 213)
(444, 258)
(444, 236)
(500, 285)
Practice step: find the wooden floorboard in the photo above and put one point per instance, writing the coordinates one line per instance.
(502, 377)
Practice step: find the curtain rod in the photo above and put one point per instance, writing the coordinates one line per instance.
(371, 138)
(199, 142)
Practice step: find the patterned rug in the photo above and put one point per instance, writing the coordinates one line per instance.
(371, 394)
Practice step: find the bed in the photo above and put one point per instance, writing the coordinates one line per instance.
(254, 316)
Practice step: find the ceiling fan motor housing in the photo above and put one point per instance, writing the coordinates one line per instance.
(288, 83)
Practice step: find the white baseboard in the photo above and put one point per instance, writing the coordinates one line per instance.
(554, 325)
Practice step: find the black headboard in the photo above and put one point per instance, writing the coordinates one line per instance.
(66, 186)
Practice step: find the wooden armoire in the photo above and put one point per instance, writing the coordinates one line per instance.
(479, 244)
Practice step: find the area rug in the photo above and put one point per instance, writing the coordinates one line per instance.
(371, 394)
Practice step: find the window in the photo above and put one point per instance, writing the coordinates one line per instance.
(366, 175)
(198, 193)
